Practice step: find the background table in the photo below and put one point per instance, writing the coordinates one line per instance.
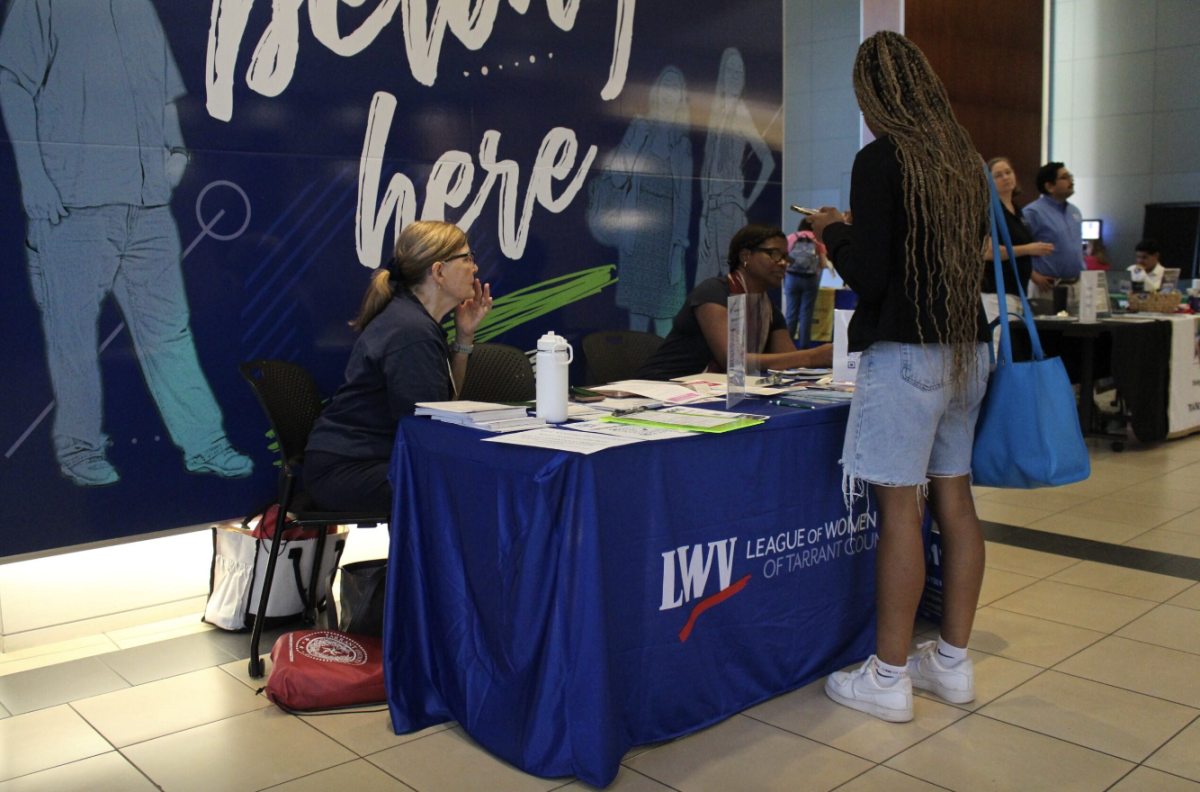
(1137, 355)
(538, 597)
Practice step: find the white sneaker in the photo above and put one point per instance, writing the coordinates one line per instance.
(861, 690)
(955, 685)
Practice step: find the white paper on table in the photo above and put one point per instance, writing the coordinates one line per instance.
(463, 406)
(1088, 283)
(729, 416)
(651, 389)
(707, 388)
(562, 440)
(611, 404)
(845, 363)
(629, 430)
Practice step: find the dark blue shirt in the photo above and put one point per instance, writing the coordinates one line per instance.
(1062, 225)
(401, 358)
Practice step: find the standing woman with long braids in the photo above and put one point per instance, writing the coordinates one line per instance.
(401, 358)
(920, 202)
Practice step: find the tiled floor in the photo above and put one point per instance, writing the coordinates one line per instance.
(1087, 665)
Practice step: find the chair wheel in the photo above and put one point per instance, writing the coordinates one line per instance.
(1118, 446)
(256, 667)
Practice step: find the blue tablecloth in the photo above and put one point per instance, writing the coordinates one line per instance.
(564, 608)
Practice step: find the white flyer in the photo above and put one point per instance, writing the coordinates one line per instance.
(651, 389)
(630, 431)
(563, 440)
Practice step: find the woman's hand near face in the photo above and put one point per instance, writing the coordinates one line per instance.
(470, 313)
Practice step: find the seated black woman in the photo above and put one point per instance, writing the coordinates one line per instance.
(401, 358)
(698, 341)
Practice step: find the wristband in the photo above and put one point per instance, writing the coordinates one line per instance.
(462, 349)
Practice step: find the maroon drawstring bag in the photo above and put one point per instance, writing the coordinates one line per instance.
(325, 669)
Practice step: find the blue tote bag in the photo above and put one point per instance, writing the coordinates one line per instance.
(1028, 434)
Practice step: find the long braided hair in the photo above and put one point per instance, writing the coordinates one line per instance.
(945, 188)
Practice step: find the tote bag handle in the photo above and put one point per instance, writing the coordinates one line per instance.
(997, 211)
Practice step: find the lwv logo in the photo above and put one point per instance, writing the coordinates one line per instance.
(695, 566)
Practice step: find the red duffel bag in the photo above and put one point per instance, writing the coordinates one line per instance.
(325, 669)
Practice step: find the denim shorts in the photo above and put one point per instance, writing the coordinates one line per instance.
(906, 422)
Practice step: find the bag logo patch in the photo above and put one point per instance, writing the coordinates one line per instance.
(332, 647)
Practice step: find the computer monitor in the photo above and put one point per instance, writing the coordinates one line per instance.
(1092, 229)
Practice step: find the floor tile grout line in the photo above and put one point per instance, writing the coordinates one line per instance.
(1118, 687)
(1128, 773)
(1151, 643)
(322, 770)
(794, 734)
(1195, 710)
(865, 759)
(1166, 772)
(113, 748)
(1060, 739)
(1118, 593)
(1078, 626)
(645, 775)
(1186, 726)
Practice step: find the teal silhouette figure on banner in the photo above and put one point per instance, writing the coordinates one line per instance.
(723, 199)
(652, 173)
(88, 91)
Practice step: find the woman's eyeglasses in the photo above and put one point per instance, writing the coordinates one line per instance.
(469, 256)
(776, 255)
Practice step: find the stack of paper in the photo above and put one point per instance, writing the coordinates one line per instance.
(691, 419)
(480, 415)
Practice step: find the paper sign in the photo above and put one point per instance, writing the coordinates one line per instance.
(845, 363)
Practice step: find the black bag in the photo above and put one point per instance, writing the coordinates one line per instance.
(364, 586)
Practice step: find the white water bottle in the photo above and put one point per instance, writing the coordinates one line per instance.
(554, 355)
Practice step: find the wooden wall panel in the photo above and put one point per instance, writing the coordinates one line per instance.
(989, 55)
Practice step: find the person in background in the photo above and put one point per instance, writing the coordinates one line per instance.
(699, 340)
(401, 358)
(1023, 245)
(920, 198)
(1146, 268)
(1096, 256)
(802, 283)
(1052, 218)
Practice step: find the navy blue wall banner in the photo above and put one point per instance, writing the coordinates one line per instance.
(188, 185)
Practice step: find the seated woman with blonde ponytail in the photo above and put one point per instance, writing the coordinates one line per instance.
(401, 358)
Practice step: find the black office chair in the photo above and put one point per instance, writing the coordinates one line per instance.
(616, 355)
(498, 373)
(289, 397)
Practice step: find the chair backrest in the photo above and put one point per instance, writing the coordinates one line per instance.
(498, 373)
(289, 397)
(615, 355)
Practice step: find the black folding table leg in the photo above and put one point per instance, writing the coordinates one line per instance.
(256, 663)
(310, 604)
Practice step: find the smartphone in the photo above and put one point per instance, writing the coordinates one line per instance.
(803, 210)
(585, 396)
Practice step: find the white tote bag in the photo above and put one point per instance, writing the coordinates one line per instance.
(240, 566)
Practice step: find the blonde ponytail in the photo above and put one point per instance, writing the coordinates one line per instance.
(419, 246)
(378, 295)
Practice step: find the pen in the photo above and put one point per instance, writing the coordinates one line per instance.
(783, 403)
(630, 411)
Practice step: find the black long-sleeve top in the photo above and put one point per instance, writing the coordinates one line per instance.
(870, 257)
(1021, 235)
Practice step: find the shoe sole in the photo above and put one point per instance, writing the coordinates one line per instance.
(949, 696)
(883, 713)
